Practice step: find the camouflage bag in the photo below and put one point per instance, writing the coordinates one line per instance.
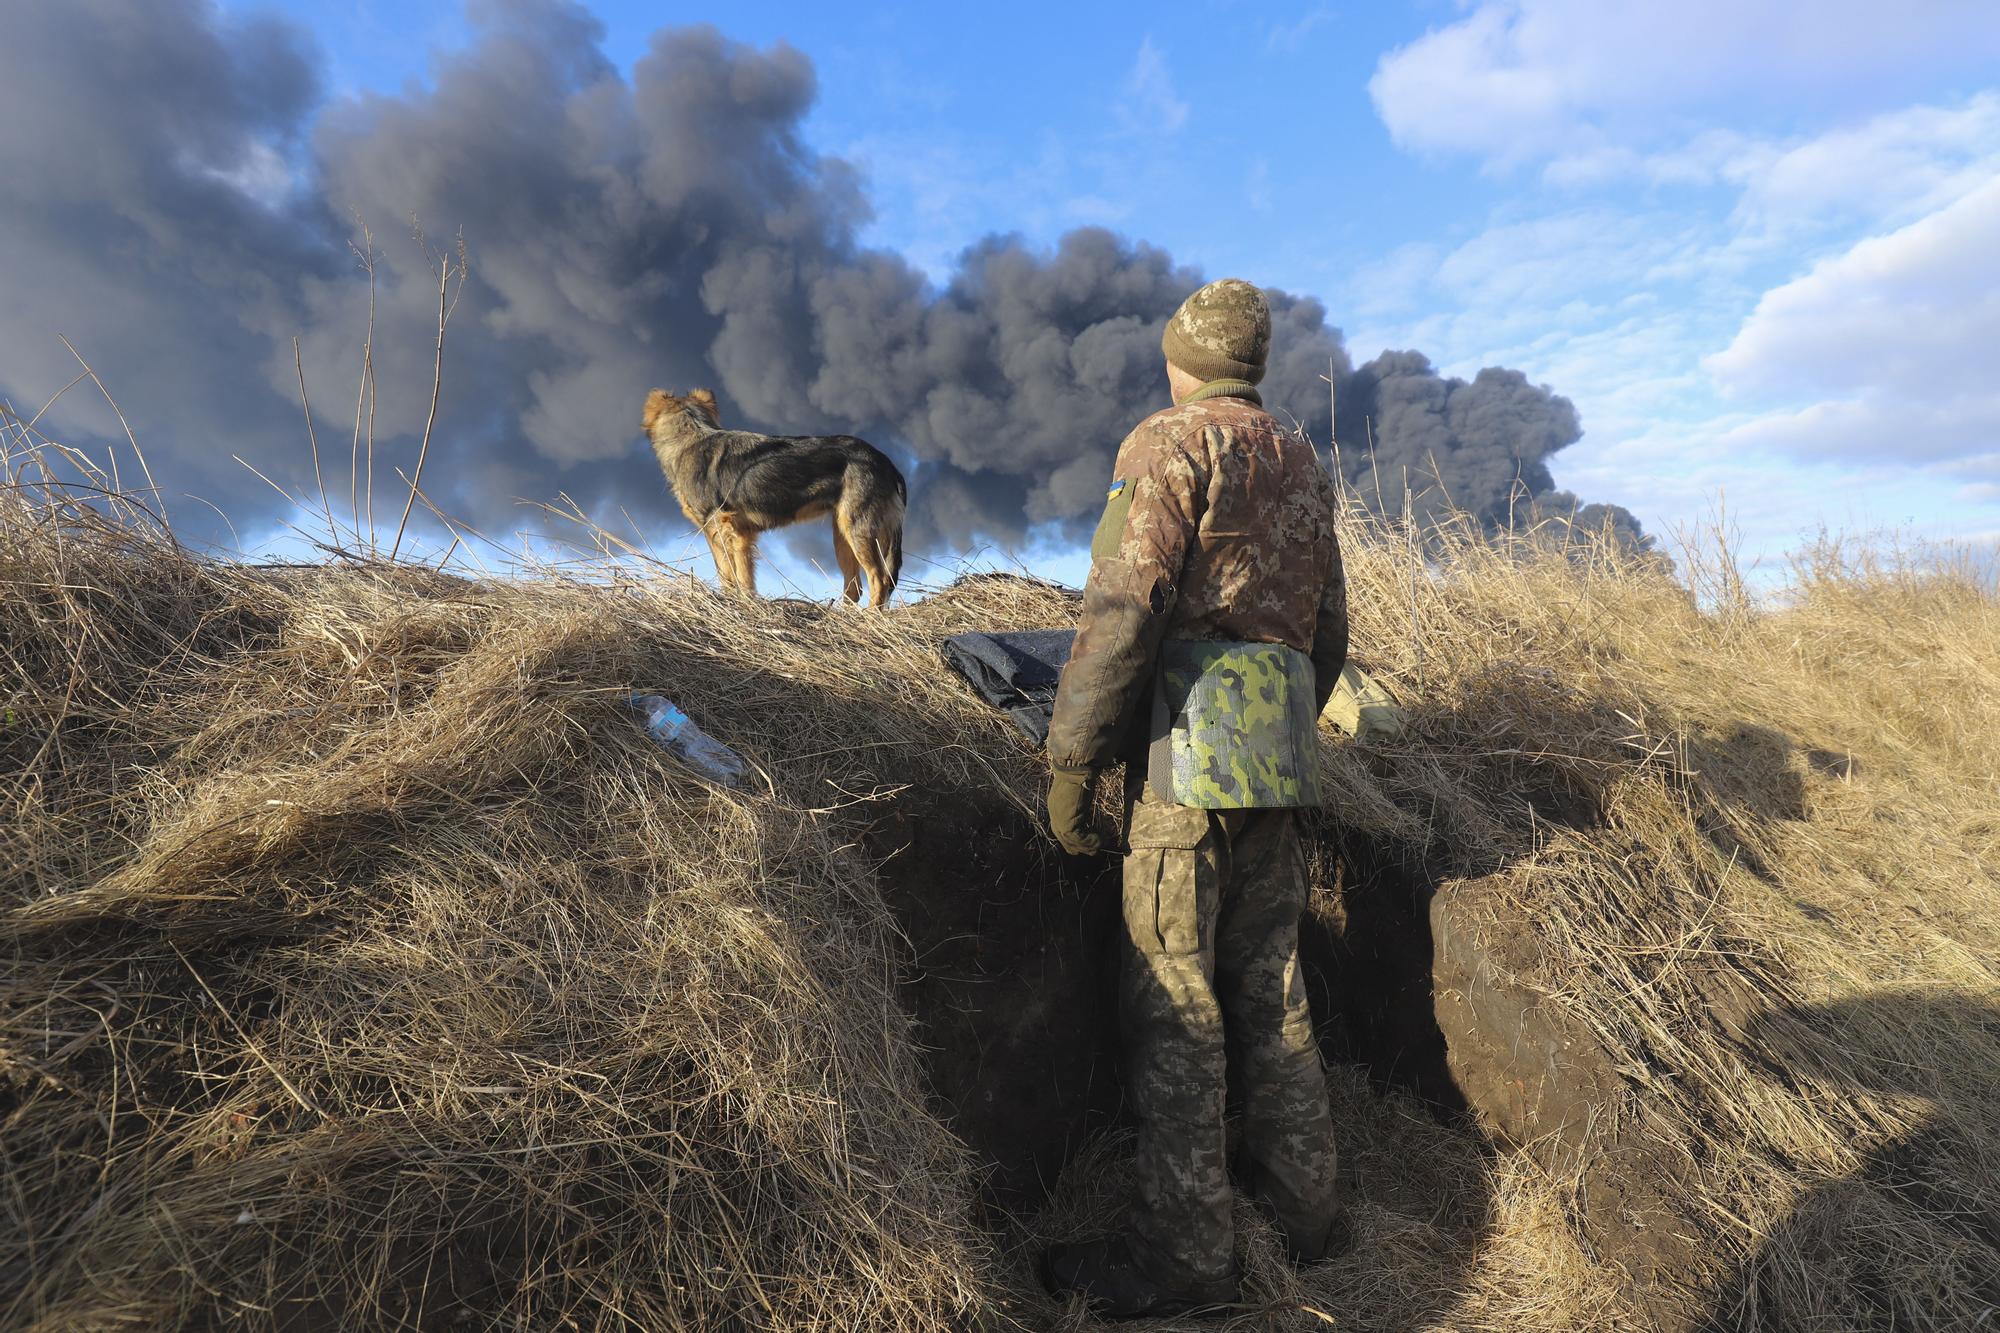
(1234, 727)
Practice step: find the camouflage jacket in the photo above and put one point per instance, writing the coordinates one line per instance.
(1218, 526)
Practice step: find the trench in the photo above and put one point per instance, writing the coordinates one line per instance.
(1013, 966)
(1366, 949)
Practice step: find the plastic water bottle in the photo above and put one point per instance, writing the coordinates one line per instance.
(675, 730)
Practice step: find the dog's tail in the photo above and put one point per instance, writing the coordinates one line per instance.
(894, 556)
(894, 508)
(888, 531)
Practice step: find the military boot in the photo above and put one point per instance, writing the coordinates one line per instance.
(1334, 1240)
(1108, 1275)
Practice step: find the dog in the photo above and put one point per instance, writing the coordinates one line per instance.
(736, 484)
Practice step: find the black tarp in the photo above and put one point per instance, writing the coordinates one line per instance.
(1016, 671)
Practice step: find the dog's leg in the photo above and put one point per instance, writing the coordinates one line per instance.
(746, 561)
(872, 551)
(720, 550)
(730, 543)
(850, 564)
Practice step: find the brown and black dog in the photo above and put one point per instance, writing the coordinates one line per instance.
(735, 484)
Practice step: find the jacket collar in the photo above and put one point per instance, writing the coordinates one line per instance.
(1224, 389)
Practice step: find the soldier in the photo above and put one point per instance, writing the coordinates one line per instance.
(1214, 627)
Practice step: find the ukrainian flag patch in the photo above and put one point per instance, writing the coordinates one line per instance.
(1111, 528)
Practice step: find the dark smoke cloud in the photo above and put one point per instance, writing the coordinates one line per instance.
(119, 227)
(180, 201)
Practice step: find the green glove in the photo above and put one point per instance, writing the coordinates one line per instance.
(1072, 799)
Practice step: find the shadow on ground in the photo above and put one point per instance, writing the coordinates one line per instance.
(1911, 1237)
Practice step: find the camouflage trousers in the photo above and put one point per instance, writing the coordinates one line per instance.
(1212, 986)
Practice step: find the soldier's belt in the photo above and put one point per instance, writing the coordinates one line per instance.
(1234, 726)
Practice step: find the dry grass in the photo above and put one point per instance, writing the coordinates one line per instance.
(366, 967)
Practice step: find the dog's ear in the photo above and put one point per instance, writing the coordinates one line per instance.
(705, 400)
(658, 401)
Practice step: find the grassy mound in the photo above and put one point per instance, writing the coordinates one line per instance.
(367, 967)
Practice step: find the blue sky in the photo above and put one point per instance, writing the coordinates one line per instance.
(1757, 243)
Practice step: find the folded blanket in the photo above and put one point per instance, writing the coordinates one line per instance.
(1015, 671)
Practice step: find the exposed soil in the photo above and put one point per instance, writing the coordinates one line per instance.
(1367, 951)
(1015, 951)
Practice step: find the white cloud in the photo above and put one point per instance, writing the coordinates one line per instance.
(1865, 395)
(1913, 316)
(1894, 167)
(1677, 475)
(261, 174)
(1572, 297)
(1150, 105)
(1874, 428)
(1523, 80)
(1858, 394)
(1769, 267)
(1287, 38)
(1562, 256)
(1980, 469)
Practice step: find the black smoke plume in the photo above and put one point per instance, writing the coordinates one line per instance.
(178, 198)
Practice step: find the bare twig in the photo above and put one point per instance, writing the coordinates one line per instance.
(364, 392)
(447, 302)
(1415, 558)
(1333, 439)
(312, 438)
(1368, 429)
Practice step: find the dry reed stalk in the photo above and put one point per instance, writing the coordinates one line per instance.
(159, 496)
(364, 392)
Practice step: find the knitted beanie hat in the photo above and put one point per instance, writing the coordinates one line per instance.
(1221, 332)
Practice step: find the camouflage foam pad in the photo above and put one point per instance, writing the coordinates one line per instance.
(1240, 727)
